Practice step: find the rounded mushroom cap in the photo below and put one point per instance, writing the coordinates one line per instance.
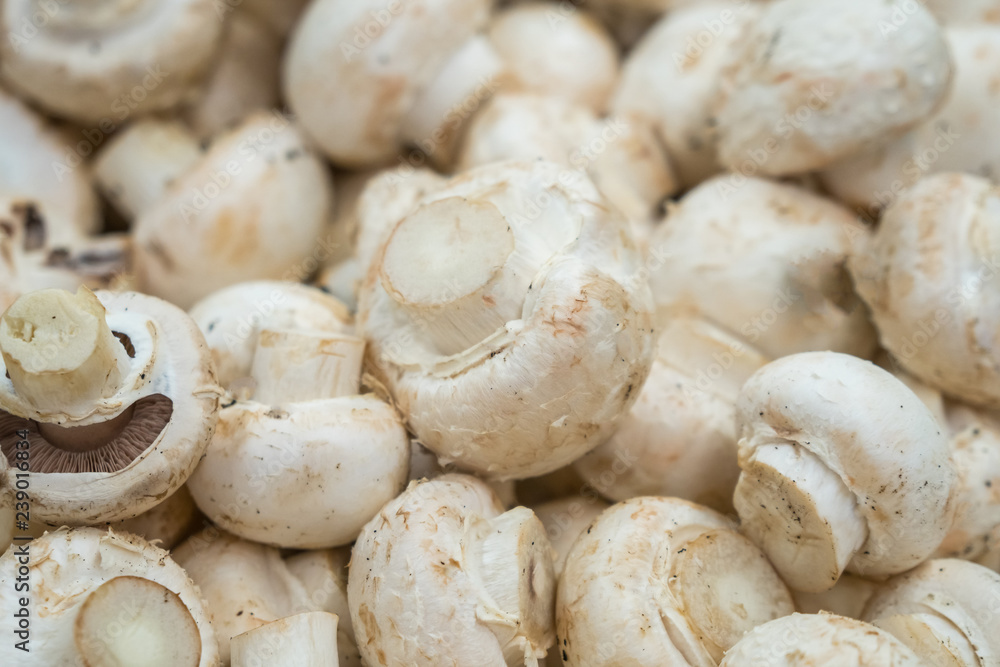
(100, 584)
(530, 338)
(669, 78)
(169, 399)
(810, 640)
(232, 318)
(572, 57)
(886, 464)
(87, 62)
(685, 586)
(354, 70)
(931, 278)
(764, 260)
(954, 601)
(813, 82)
(484, 579)
(253, 208)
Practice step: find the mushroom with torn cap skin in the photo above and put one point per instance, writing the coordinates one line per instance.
(483, 578)
(685, 584)
(303, 640)
(106, 598)
(843, 467)
(508, 317)
(96, 60)
(945, 610)
(309, 460)
(110, 402)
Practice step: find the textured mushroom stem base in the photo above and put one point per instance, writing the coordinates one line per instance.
(302, 640)
(293, 366)
(135, 621)
(60, 352)
(512, 561)
(801, 514)
(933, 637)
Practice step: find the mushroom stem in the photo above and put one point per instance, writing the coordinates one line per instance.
(85, 438)
(60, 354)
(513, 562)
(136, 169)
(800, 513)
(292, 366)
(302, 640)
(451, 263)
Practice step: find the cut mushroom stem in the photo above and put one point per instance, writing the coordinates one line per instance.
(292, 366)
(513, 563)
(450, 264)
(934, 637)
(813, 528)
(302, 640)
(60, 353)
(131, 620)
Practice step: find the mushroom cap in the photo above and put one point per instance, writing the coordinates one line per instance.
(668, 79)
(66, 568)
(354, 70)
(657, 581)
(253, 208)
(572, 56)
(931, 278)
(869, 430)
(679, 439)
(811, 640)
(169, 361)
(232, 318)
(420, 547)
(962, 594)
(89, 62)
(812, 82)
(544, 387)
(302, 475)
(764, 260)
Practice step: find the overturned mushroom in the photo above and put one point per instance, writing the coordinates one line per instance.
(483, 576)
(105, 598)
(843, 467)
(303, 640)
(508, 318)
(309, 460)
(109, 403)
(686, 587)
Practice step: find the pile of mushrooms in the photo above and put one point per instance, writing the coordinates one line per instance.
(412, 333)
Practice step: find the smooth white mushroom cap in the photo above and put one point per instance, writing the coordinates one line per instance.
(764, 260)
(657, 581)
(514, 340)
(945, 610)
(481, 579)
(843, 467)
(70, 569)
(814, 82)
(572, 57)
(931, 277)
(811, 640)
(105, 59)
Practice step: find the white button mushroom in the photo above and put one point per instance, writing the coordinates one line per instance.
(324, 574)
(303, 640)
(104, 598)
(812, 82)
(87, 61)
(250, 207)
(765, 261)
(442, 575)
(657, 581)
(810, 640)
(932, 280)
(309, 460)
(945, 610)
(842, 467)
(508, 317)
(109, 403)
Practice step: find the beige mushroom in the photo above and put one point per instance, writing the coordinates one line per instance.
(657, 581)
(302, 640)
(103, 598)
